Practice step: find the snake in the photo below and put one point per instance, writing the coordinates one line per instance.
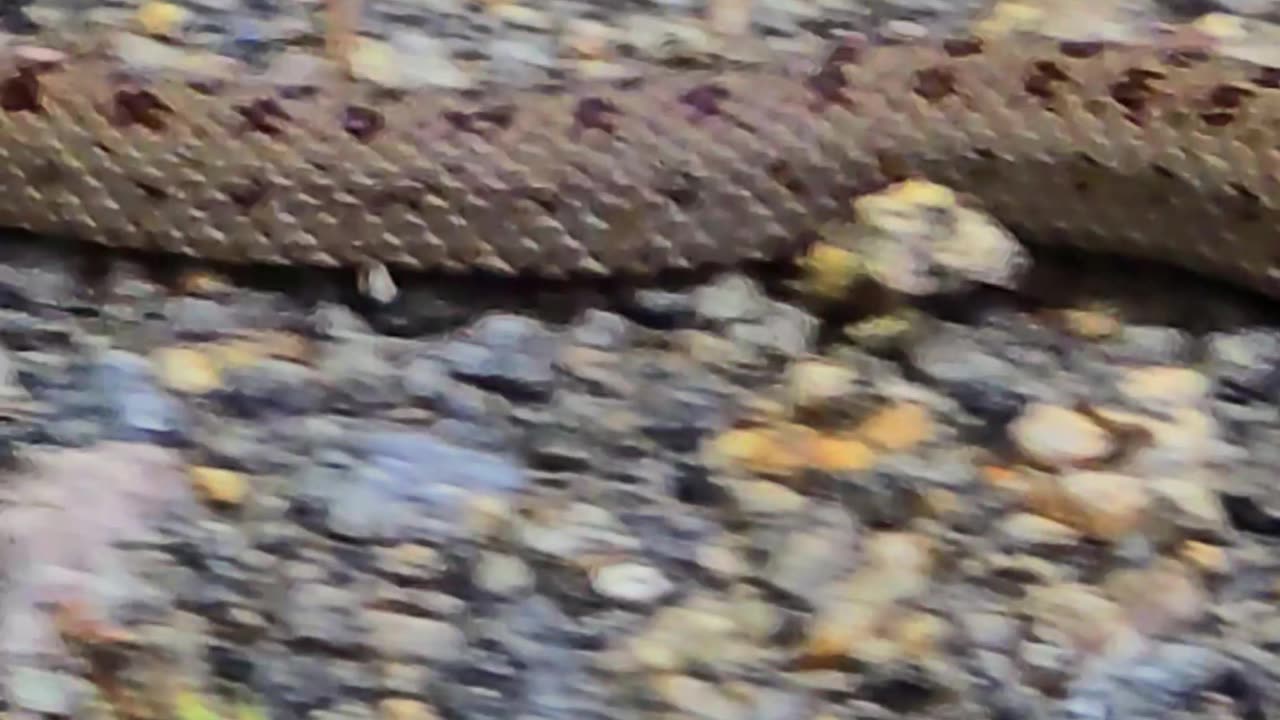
(1162, 151)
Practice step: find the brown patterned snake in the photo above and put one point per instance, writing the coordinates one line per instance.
(1158, 152)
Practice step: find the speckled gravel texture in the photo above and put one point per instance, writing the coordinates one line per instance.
(711, 499)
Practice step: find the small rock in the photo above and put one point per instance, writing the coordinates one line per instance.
(808, 559)
(918, 240)
(1102, 505)
(320, 614)
(842, 455)
(219, 486)
(850, 630)
(969, 372)
(631, 583)
(456, 473)
(1157, 683)
(601, 330)
(1077, 613)
(785, 331)
(891, 495)
(578, 530)
(522, 16)
(721, 562)
(1028, 531)
(487, 517)
(919, 636)
(904, 551)
(830, 271)
(143, 53)
(502, 575)
(764, 498)
(411, 61)
(427, 381)
(278, 385)
(897, 428)
(661, 308)
(377, 62)
(410, 563)
(697, 698)
(187, 371)
(819, 386)
(851, 621)
(510, 354)
(589, 38)
(1245, 363)
(1162, 599)
(1091, 324)
(599, 371)
(1153, 344)
(1057, 437)
(1179, 439)
(405, 709)
(343, 710)
(1045, 666)
(730, 298)
(772, 452)
(666, 39)
(885, 333)
(46, 693)
(714, 350)
(1209, 559)
(700, 630)
(991, 630)
(1164, 388)
(1191, 506)
(415, 639)
(357, 373)
(162, 19)
(141, 409)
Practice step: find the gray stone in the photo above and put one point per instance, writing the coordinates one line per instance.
(507, 353)
(46, 692)
(414, 639)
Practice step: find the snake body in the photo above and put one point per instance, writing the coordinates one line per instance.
(1156, 152)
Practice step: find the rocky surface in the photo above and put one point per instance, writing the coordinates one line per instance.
(970, 496)
(713, 500)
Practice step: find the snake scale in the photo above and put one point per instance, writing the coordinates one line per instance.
(1147, 150)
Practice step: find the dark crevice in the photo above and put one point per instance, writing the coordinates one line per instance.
(1080, 48)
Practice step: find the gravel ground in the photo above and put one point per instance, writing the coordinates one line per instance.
(259, 493)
